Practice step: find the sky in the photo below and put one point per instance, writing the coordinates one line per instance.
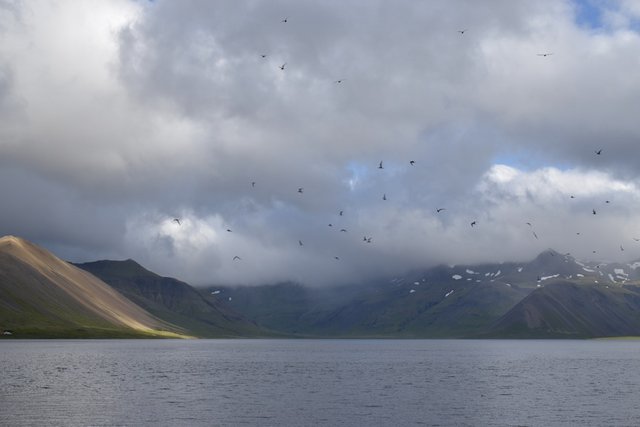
(119, 116)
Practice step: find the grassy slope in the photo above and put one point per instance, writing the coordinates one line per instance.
(569, 310)
(378, 310)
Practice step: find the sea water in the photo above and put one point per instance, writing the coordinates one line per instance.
(319, 382)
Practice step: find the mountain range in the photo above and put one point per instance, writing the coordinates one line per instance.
(551, 296)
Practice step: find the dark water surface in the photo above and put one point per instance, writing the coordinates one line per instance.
(320, 382)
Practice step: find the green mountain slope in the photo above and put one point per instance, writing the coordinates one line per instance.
(172, 300)
(377, 310)
(569, 310)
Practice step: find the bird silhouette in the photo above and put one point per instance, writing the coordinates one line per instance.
(282, 66)
(335, 257)
(545, 54)
(300, 190)
(339, 81)
(621, 248)
(340, 213)
(237, 258)
(369, 239)
(578, 233)
(384, 196)
(606, 201)
(344, 230)
(253, 183)
(330, 225)
(573, 197)
(594, 211)
(229, 231)
(529, 224)
(177, 221)
(473, 223)
(412, 162)
(599, 152)
(285, 20)
(636, 239)
(300, 243)
(263, 56)
(380, 165)
(462, 32)
(440, 210)
(535, 235)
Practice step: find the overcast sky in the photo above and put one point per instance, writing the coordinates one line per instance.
(118, 116)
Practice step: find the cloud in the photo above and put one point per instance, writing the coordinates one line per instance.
(116, 117)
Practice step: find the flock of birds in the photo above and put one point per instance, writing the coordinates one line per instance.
(366, 238)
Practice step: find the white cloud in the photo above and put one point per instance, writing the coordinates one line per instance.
(116, 117)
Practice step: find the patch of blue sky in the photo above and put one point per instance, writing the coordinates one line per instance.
(527, 161)
(590, 14)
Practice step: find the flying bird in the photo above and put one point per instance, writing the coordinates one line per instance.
(594, 211)
(369, 239)
(300, 243)
(529, 224)
(330, 225)
(253, 183)
(341, 212)
(606, 201)
(462, 32)
(440, 210)
(237, 258)
(335, 257)
(535, 235)
(621, 248)
(284, 20)
(177, 221)
(229, 231)
(339, 81)
(545, 54)
(636, 239)
(344, 230)
(380, 165)
(384, 196)
(473, 223)
(263, 55)
(300, 190)
(599, 152)
(412, 162)
(282, 66)
(573, 197)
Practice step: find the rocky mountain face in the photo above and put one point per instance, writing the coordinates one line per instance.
(172, 300)
(44, 296)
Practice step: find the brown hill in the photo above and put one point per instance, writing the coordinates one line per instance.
(42, 295)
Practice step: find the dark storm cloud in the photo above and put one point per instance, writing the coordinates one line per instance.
(117, 117)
